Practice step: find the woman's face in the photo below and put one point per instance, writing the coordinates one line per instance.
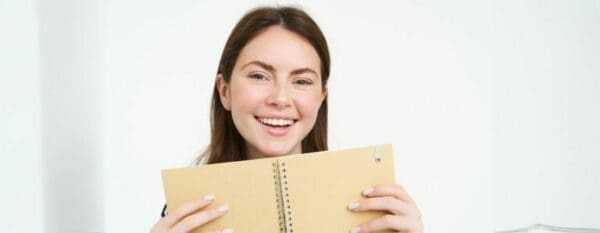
(274, 93)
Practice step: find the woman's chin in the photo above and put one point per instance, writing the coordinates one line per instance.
(276, 152)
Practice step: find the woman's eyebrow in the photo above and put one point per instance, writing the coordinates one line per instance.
(303, 70)
(264, 65)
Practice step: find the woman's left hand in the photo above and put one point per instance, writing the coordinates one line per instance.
(402, 212)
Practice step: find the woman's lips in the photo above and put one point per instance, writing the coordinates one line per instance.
(276, 126)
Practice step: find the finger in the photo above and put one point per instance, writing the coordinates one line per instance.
(394, 190)
(185, 210)
(387, 203)
(389, 222)
(192, 221)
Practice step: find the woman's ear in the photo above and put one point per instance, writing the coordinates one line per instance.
(323, 94)
(224, 94)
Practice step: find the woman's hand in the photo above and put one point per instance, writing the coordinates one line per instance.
(185, 219)
(403, 214)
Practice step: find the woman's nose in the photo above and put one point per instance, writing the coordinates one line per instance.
(279, 96)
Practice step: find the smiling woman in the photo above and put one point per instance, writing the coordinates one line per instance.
(274, 67)
(270, 99)
(274, 93)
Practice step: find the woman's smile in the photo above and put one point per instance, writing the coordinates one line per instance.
(276, 126)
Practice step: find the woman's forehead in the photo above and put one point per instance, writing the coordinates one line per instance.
(279, 48)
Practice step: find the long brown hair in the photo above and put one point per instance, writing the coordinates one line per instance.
(226, 143)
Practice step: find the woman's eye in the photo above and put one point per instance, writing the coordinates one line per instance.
(303, 82)
(258, 76)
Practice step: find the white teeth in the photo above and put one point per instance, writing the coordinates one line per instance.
(276, 122)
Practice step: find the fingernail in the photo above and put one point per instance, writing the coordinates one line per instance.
(367, 191)
(209, 197)
(355, 230)
(353, 205)
(227, 230)
(222, 208)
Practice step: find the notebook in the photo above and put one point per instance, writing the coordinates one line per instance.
(296, 193)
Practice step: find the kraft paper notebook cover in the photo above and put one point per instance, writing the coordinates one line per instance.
(297, 193)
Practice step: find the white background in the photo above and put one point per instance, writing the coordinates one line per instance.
(492, 106)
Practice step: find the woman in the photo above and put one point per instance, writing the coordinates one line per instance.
(270, 99)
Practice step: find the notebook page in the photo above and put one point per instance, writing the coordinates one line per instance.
(321, 185)
(247, 187)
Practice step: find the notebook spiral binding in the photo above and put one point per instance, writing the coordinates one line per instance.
(281, 194)
(286, 198)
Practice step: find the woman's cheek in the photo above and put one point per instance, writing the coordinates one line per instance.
(308, 105)
(248, 98)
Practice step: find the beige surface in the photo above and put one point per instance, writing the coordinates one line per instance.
(247, 187)
(320, 186)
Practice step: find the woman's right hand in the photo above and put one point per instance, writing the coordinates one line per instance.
(185, 219)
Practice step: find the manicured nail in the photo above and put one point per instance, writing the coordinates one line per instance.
(355, 230)
(209, 197)
(353, 205)
(227, 230)
(367, 191)
(223, 208)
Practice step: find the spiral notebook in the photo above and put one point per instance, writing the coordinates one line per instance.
(297, 193)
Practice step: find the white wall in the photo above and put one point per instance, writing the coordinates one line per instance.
(71, 115)
(490, 105)
(546, 110)
(20, 135)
